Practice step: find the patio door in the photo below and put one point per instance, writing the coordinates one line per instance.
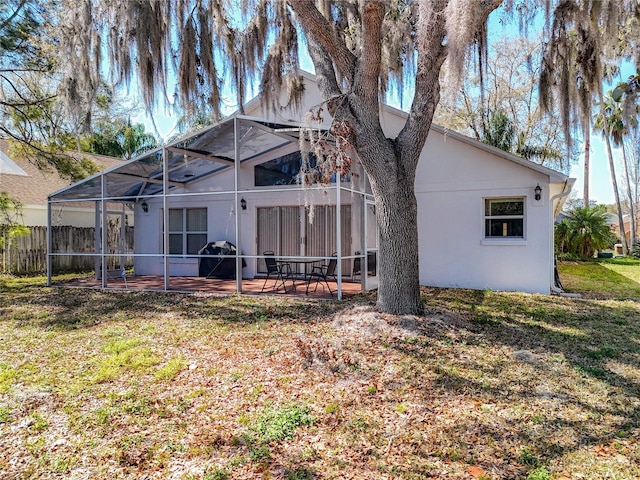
(289, 231)
(278, 230)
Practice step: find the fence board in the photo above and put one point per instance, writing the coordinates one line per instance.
(28, 254)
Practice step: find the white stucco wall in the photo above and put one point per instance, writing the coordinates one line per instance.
(452, 181)
(64, 215)
(36, 216)
(221, 218)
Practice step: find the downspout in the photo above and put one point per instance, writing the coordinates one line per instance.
(565, 192)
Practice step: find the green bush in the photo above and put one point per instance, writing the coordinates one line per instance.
(584, 232)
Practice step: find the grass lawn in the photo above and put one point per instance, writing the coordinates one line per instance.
(617, 278)
(485, 385)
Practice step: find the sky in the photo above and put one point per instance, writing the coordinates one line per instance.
(600, 189)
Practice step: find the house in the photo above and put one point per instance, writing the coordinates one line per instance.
(626, 218)
(25, 182)
(485, 217)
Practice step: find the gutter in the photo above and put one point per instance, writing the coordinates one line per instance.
(566, 190)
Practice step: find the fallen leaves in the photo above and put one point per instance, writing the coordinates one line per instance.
(476, 472)
(450, 399)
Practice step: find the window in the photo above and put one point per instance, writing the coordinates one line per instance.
(504, 217)
(285, 170)
(279, 171)
(187, 230)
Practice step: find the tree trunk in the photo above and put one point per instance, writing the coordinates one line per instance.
(632, 220)
(614, 183)
(351, 84)
(397, 217)
(587, 148)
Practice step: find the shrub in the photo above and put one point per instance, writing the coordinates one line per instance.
(584, 232)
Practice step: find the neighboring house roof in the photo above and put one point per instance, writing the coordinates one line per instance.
(8, 166)
(25, 182)
(612, 219)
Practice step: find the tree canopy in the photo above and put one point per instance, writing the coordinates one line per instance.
(182, 50)
(32, 116)
(506, 112)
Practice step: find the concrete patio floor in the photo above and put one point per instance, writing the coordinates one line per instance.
(212, 286)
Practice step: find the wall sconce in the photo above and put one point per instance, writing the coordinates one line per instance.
(538, 192)
(145, 206)
(243, 204)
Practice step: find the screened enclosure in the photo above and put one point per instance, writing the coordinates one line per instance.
(237, 182)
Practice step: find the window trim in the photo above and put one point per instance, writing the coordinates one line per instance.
(184, 232)
(504, 240)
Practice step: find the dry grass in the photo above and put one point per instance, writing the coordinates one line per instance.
(150, 385)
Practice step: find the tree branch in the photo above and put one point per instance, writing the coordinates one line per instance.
(368, 70)
(431, 55)
(317, 26)
(13, 15)
(432, 52)
(325, 73)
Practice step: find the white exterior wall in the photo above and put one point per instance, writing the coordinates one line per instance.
(452, 181)
(36, 216)
(221, 218)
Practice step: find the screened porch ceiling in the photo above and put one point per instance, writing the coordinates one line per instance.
(190, 159)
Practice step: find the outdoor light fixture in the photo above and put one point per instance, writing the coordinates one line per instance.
(145, 207)
(538, 192)
(243, 204)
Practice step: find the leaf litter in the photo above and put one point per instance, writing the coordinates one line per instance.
(471, 389)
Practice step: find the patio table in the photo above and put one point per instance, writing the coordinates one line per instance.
(294, 275)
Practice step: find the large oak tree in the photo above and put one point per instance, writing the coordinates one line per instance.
(359, 49)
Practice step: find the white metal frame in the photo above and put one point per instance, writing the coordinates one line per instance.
(102, 201)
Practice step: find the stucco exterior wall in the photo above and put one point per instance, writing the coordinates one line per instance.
(452, 181)
(221, 219)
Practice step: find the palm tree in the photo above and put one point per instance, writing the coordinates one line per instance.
(499, 131)
(562, 235)
(606, 121)
(585, 231)
(619, 123)
(121, 139)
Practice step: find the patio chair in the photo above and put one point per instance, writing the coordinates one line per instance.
(356, 270)
(323, 273)
(281, 271)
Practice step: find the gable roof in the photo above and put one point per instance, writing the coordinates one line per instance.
(554, 175)
(8, 166)
(25, 182)
(211, 149)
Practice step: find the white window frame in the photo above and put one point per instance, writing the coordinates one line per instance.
(504, 240)
(184, 232)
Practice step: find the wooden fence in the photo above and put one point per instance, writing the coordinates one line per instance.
(28, 254)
